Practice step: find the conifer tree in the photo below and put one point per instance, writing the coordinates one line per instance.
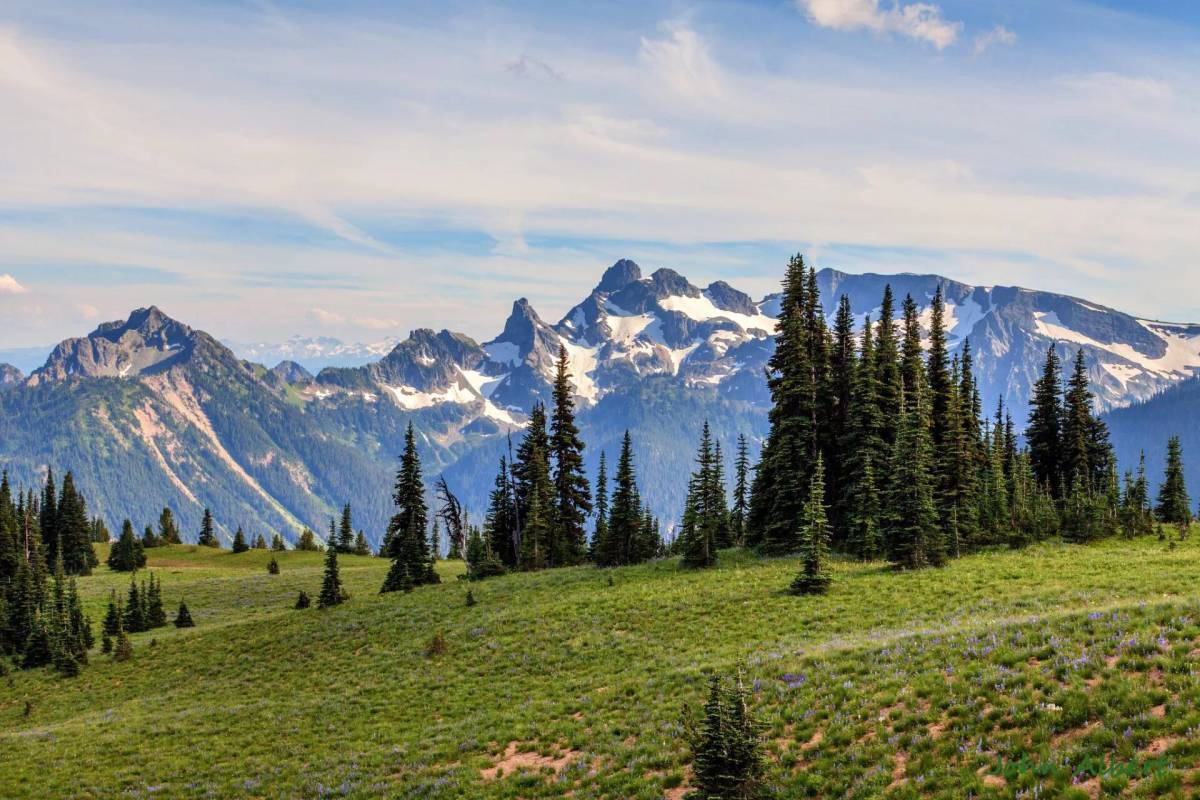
(790, 448)
(124, 648)
(48, 518)
(727, 758)
(861, 530)
(624, 519)
(277, 543)
(406, 542)
(573, 501)
(168, 531)
(888, 382)
(500, 521)
(741, 492)
(135, 609)
(156, 616)
(208, 535)
(814, 577)
(260, 543)
(702, 530)
(127, 554)
(332, 593)
(534, 492)
(272, 567)
(1173, 504)
(114, 617)
(302, 601)
(183, 617)
(1075, 454)
(149, 540)
(239, 541)
(345, 535)
(361, 548)
(600, 532)
(307, 543)
(99, 530)
(842, 374)
(1044, 434)
(912, 537)
(74, 530)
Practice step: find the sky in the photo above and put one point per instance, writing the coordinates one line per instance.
(266, 168)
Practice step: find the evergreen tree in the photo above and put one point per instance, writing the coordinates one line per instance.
(500, 522)
(1075, 455)
(1173, 503)
(624, 519)
(573, 502)
(239, 541)
(741, 492)
(481, 559)
(127, 554)
(842, 375)
(100, 533)
(277, 544)
(600, 531)
(791, 446)
(406, 542)
(260, 543)
(208, 535)
(48, 518)
(156, 617)
(912, 537)
(332, 593)
(124, 648)
(814, 577)
(727, 758)
(183, 617)
(888, 382)
(168, 531)
(308, 542)
(345, 536)
(74, 530)
(534, 492)
(861, 532)
(703, 530)
(135, 609)
(302, 601)
(1044, 434)
(361, 548)
(149, 540)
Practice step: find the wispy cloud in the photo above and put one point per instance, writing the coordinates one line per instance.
(682, 60)
(920, 21)
(324, 317)
(998, 35)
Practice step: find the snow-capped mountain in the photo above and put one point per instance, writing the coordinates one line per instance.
(313, 352)
(278, 447)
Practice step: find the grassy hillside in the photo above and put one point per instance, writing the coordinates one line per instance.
(902, 685)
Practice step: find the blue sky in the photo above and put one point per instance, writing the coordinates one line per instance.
(359, 169)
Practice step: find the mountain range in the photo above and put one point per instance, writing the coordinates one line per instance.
(148, 411)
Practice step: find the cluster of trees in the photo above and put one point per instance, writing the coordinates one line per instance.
(41, 618)
(343, 538)
(878, 448)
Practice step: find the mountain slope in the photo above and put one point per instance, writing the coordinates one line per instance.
(149, 412)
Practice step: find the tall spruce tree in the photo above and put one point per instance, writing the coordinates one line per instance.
(1045, 431)
(500, 521)
(74, 530)
(573, 502)
(208, 534)
(332, 592)
(624, 520)
(168, 531)
(407, 546)
(814, 577)
(535, 492)
(859, 530)
(240, 545)
(1173, 503)
(345, 537)
(741, 492)
(913, 539)
(600, 529)
(127, 554)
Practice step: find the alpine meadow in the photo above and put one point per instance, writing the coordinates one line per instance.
(895, 502)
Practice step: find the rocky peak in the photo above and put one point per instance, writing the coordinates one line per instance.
(727, 298)
(10, 376)
(669, 283)
(619, 275)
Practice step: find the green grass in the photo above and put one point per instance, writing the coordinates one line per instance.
(903, 685)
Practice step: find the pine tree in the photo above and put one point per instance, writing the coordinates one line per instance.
(149, 540)
(702, 533)
(345, 536)
(127, 554)
(48, 519)
(1044, 434)
(260, 543)
(860, 531)
(124, 648)
(135, 609)
(888, 382)
(500, 521)
(183, 617)
(624, 520)
(277, 543)
(791, 446)
(406, 543)
(727, 758)
(600, 532)
(814, 577)
(208, 535)
(1075, 455)
(168, 531)
(74, 530)
(911, 533)
(332, 593)
(302, 601)
(272, 567)
(573, 501)
(239, 541)
(361, 548)
(1173, 504)
(741, 492)
(156, 617)
(307, 543)
(534, 492)
(842, 375)
(99, 531)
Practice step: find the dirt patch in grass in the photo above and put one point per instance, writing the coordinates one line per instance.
(516, 759)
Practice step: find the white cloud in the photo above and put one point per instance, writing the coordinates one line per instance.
(920, 21)
(323, 317)
(9, 285)
(376, 324)
(683, 61)
(87, 310)
(998, 35)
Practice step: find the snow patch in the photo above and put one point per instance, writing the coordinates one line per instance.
(503, 353)
(703, 309)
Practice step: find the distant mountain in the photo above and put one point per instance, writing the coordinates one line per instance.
(10, 376)
(181, 419)
(313, 353)
(1146, 426)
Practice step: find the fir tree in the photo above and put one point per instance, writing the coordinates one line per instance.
(573, 502)
(741, 492)
(135, 609)
(127, 554)
(308, 541)
(727, 758)
(302, 601)
(1044, 434)
(74, 530)
(149, 539)
(99, 531)
(911, 533)
(168, 531)
(239, 541)
(814, 577)
(600, 532)
(332, 593)
(124, 648)
(861, 529)
(624, 520)
(361, 548)
(1173, 504)
(500, 521)
(156, 616)
(406, 543)
(272, 567)
(704, 514)
(208, 535)
(535, 492)
(260, 543)
(277, 544)
(345, 535)
(183, 617)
